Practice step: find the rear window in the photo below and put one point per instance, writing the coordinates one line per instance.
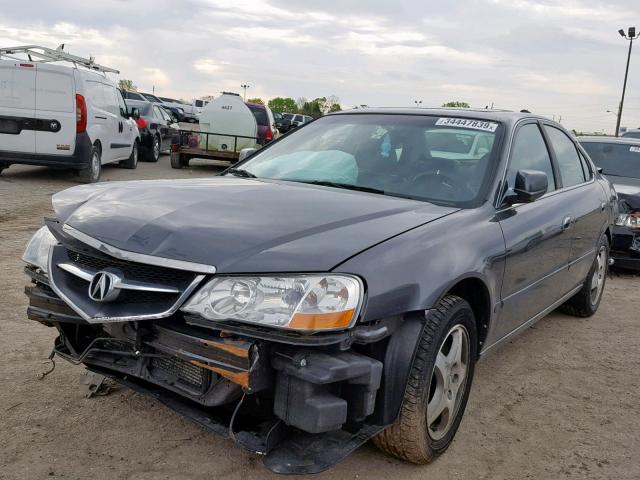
(54, 91)
(261, 116)
(143, 108)
(17, 87)
(617, 159)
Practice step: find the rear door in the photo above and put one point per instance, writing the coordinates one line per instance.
(99, 123)
(17, 106)
(55, 110)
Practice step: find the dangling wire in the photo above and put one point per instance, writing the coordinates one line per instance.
(233, 417)
(53, 366)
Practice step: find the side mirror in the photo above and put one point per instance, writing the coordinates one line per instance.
(246, 152)
(135, 113)
(599, 170)
(530, 186)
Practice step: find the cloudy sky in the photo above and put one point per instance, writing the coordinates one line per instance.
(554, 57)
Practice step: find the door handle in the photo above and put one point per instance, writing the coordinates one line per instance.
(603, 205)
(566, 223)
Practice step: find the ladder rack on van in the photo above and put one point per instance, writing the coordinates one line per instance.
(44, 54)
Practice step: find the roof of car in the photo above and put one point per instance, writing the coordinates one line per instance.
(505, 116)
(607, 139)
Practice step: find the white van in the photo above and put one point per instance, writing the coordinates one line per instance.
(62, 115)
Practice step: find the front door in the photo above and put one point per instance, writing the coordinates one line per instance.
(537, 237)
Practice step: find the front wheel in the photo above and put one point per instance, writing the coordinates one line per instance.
(153, 155)
(585, 303)
(439, 384)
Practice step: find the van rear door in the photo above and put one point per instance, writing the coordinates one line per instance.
(17, 106)
(55, 110)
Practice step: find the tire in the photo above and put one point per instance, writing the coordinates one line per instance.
(585, 303)
(434, 384)
(132, 161)
(153, 153)
(91, 173)
(176, 162)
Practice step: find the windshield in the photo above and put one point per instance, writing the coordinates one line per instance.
(617, 159)
(436, 159)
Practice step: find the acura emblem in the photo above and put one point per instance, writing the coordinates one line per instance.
(104, 287)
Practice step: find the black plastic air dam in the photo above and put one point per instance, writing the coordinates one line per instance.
(321, 391)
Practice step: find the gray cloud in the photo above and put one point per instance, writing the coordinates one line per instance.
(555, 57)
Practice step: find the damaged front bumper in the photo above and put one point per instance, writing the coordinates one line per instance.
(625, 248)
(304, 402)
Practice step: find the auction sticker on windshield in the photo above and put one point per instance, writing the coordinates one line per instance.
(468, 123)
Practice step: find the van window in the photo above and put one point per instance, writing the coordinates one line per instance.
(199, 103)
(54, 91)
(17, 87)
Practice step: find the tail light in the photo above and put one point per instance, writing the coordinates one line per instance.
(269, 135)
(141, 122)
(81, 114)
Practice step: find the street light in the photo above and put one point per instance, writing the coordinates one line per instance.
(418, 103)
(631, 36)
(244, 95)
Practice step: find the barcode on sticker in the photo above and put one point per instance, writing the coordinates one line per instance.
(468, 123)
(635, 149)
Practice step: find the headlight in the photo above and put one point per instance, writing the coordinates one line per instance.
(628, 220)
(297, 302)
(37, 251)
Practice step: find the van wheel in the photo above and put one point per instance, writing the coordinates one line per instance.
(439, 384)
(91, 173)
(585, 303)
(153, 154)
(132, 161)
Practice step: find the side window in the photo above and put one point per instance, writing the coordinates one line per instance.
(111, 103)
(569, 163)
(156, 112)
(165, 115)
(530, 153)
(588, 174)
(121, 104)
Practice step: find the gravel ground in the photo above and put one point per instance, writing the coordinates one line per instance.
(560, 401)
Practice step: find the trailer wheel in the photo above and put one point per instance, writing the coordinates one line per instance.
(176, 161)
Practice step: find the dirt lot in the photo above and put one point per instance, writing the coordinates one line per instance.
(560, 401)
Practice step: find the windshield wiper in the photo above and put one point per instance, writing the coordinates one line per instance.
(239, 172)
(346, 186)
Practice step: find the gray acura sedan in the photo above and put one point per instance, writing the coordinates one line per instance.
(338, 285)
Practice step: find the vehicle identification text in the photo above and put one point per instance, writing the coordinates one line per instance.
(468, 123)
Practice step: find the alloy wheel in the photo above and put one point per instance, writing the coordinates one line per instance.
(448, 380)
(597, 281)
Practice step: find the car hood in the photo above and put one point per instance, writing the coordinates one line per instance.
(628, 190)
(240, 225)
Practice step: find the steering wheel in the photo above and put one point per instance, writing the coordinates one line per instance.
(450, 187)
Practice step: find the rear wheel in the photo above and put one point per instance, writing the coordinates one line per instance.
(438, 387)
(91, 173)
(153, 154)
(132, 161)
(585, 303)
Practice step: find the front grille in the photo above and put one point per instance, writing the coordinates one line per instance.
(134, 271)
(180, 369)
(135, 297)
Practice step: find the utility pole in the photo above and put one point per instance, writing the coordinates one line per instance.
(631, 36)
(244, 87)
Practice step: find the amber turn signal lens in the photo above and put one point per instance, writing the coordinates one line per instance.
(321, 321)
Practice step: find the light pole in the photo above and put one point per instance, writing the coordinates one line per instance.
(631, 36)
(244, 87)
(418, 103)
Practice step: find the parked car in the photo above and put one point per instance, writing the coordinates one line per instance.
(267, 130)
(156, 127)
(337, 285)
(62, 111)
(188, 112)
(632, 133)
(298, 120)
(176, 114)
(619, 159)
